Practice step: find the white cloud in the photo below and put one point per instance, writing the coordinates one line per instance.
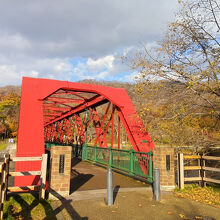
(15, 42)
(63, 67)
(45, 68)
(11, 76)
(103, 75)
(101, 63)
(39, 38)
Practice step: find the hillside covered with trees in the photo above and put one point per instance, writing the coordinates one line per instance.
(163, 108)
(9, 111)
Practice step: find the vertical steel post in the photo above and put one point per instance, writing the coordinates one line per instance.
(76, 152)
(86, 152)
(156, 184)
(131, 162)
(119, 138)
(110, 157)
(86, 123)
(85, 148)
(83, 152)
(95, 154)
(112, 139)
(109, 187)
(150, 175)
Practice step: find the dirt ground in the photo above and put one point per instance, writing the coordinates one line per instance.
(86, 176)
(138, 205)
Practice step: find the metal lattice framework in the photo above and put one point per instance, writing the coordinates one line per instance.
(60, 111)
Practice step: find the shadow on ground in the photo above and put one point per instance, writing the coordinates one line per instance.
(65, 205)
(21, 206)
(77, 179)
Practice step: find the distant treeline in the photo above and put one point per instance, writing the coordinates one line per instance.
(168, 111)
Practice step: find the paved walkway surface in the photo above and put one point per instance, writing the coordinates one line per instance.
(132, 200)
(132, 204)
(10, 149)
(86, 176)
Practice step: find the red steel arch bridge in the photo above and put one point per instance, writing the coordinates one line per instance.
(56, 112)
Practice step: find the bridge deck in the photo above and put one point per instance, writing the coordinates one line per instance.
(85, 176)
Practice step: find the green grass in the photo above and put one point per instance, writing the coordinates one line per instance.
(3, 145)
(27, 206)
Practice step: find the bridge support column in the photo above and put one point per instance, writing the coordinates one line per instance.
(60, 171)
(164, 160)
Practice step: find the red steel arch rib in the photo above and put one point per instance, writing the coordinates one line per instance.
(42, 105)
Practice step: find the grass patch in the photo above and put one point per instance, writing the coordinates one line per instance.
(27, 206)
(3, 145)
(208, 195)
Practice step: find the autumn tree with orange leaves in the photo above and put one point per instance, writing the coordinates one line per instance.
(179, 78)
(9, 111)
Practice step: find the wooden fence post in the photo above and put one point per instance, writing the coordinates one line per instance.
(181, 171)
(43, 176)
(200, 171)
(5, 177)
(203, 170)
(4, 183)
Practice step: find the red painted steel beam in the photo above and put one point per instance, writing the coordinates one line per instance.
(99, 127)
(64, 100)
(80, 128)
(71, 93)
(52, 108)
(58, 103)
(119, 138)
(119, 132)
(51, 114)
(100, 130)
(107, 127)
(113, 117)
(74, 91)
(91, 102)
(128, 131)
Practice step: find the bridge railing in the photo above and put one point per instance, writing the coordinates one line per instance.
(132, 162)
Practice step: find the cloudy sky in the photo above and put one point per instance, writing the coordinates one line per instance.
(76, 39)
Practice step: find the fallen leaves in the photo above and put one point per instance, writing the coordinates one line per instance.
(182, 216)
(198, 217)
(207, 195)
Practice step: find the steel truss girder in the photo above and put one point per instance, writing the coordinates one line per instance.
(79, 126)
(99, 128)
(32, 121)
(94, 101)
(64, 128)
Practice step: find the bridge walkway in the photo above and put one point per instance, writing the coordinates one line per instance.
(86, 176)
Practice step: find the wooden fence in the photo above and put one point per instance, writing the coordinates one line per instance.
(201, 167)
(5, 173)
